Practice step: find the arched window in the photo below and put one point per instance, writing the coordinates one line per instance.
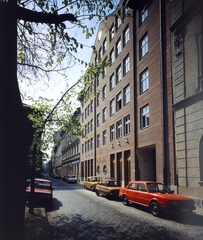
(201, 159)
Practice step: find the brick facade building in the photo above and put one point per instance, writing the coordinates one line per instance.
(135, 141)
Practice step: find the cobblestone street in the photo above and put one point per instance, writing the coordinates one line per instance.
(80, 214)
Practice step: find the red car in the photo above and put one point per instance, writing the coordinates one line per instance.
(43, 191)
(156, 196)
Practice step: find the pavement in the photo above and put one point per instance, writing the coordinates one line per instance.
(36, 226)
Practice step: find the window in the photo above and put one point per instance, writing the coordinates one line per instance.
(143, 13)
(88, 145)
(91, 124)
(145, 116)
(100, 54)
(118, 74)
(127, 125)
(118, 47)
(89, 127)
(91, 106)
(98, 80)
(83, 148)
(98, 119)
(104, 137)
(111, 33)
(112, 82)
(98, 140)
(98, 99)
(119, 129)
(112, 107)
(144, 81)
(88, 109)
(104, 92)
(125, 10)
(104, 46)
(112, 56)
(112, 132)
(104, 115)
(200, 56)
(85, 129)
(118, 20)
(201, 159)
(126, 93)
(126, 36)
(85, 112)
(104, 72)
(91, 144)
(118, 101)
(144, 46)
(82, 117)
(126, 65)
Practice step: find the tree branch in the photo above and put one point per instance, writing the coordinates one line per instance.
(40, 17)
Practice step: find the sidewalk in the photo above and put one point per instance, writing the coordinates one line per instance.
(37, 226)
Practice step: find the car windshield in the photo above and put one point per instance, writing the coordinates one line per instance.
(113, 184)
(158, 187)
(94, 179)
(71, 176)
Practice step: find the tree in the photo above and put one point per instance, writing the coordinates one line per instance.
(34, 35)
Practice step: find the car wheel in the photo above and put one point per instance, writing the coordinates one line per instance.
(155, 209)
(92, 188)
(97, 192)
(125, 201)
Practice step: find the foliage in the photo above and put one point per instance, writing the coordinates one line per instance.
(47, 48)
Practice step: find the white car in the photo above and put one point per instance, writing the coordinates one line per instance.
(71, 179)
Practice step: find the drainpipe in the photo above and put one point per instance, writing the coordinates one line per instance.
(162, 17)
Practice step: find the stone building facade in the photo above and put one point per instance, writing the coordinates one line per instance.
(187, 59)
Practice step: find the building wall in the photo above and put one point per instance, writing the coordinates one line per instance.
(157, 137)
(102, 156)
(188, 100)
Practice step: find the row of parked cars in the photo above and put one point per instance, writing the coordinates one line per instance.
(154, 195)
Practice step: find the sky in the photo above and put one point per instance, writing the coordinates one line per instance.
(58, 85)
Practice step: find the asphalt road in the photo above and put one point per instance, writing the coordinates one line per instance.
(77, 213)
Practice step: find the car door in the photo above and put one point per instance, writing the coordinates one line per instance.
(142, 194)
(131, 192)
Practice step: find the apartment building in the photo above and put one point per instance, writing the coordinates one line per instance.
(129, 123)
(187, 60)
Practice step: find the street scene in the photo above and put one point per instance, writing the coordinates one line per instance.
(77, 213)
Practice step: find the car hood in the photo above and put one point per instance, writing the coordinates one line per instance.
(114, 188)
(172, 196)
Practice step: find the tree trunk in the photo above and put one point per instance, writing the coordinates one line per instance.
(12, 133)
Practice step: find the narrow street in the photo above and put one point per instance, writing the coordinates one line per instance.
(77, 213)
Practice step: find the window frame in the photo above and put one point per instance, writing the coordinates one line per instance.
(112, 132)
(112, 107)
(144, 115)
(118, 74)
(119, 129)
(127, 125)
(111, 82)
(126, 94)
(126, 35)
(126, 65)
(144, 81)
(144, 45)
(118, 101)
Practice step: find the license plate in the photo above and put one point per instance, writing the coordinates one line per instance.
(185, 210)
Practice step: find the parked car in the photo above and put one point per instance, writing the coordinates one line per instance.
(157, 197)
(91, 182)
(71, 179)
(108, 188)
(56, 175)
(64, 178)
(43, 190)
